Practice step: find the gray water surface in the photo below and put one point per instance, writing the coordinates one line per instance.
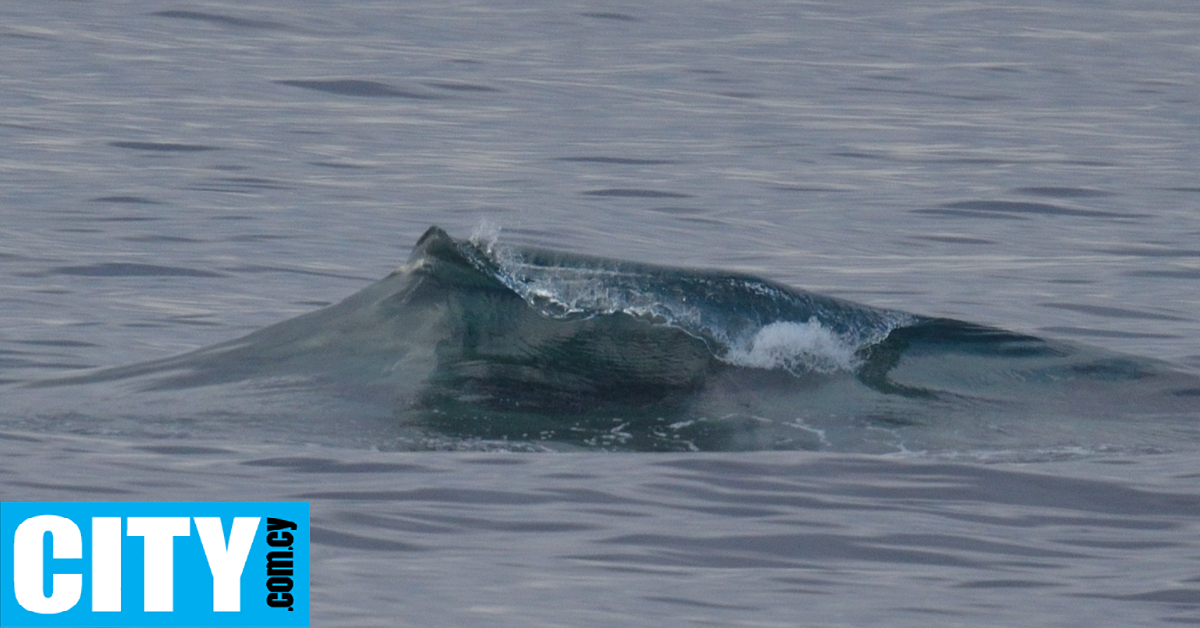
(767, 539)
(174, 176)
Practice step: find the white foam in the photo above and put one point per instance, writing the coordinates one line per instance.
(486, 234)
(796, 347)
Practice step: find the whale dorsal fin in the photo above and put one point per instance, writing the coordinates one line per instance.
(433, 232)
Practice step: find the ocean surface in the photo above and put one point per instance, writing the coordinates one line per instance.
(737, 314)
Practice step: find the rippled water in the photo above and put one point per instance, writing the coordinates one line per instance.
(695, 539)
(177, 176)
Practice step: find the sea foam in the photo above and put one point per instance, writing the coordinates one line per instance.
(795, 347)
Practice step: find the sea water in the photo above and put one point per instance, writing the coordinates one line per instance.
(178, 177)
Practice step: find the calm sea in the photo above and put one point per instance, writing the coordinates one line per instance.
(176, 175)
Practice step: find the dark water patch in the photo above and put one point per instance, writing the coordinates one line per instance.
(497, 462)
(786, 550)
(971, 545)
(162, 147)
(1099, 504)
(592, 496)
(43, 364)
(676, 210)
(185, 450)
(433, 495)
(18, 360)
(48, 289)
(972, 161)
(20, 438)
(1152, 251)
(171, 321)
(620, 161)
(304, 464)
(635, 193)
(238, 185)
(1093, 163)
(703, 220)
(804, 188)
(340, 165)
(1186, 275)
(1102, 333)
(1185, 620)
(997, 97)
(462, 523)
(130, 269)
(665, 560)
(164, 239)
(679, 601)
(1119, 545)
(854, 154)
(608, 15)
(256, 237)
(345, 540)
(128, 200)
(1002, 68)
(1183, 189)
(23, 127)
(405, 525)
(1154, 87)
(1005, 584)
(221, 20)
(121, 218)
(1062, 192)
(746, 495)
(358, 88)
(1177, 597)
(262, 268)
(198, 320)
(805, 586)
(1091, 500)
(1113, 312)
(10, 34)
(77, 489)
(741, 512)
(1013, 209)
(868, 89)
(57, 343)
(928, 610)
(953, 239)
(459, 86)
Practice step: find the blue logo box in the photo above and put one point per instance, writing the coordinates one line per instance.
(154, 564)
